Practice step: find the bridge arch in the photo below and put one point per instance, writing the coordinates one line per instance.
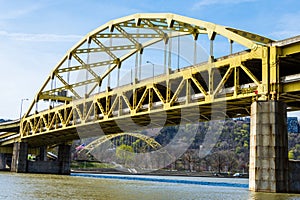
(96, 143)
(136, 32)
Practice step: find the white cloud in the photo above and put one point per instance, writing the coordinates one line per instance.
(203, 3)
(7, 13)
(40, 37)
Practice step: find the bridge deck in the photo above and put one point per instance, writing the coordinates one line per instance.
(182, 96)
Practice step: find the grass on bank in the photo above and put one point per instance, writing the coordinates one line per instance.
(90, 165)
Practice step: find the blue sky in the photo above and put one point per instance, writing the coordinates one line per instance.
(34, 35)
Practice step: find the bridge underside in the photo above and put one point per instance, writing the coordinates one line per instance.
(290, 80)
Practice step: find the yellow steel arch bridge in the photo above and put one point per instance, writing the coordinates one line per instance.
(105, 138)
(102, 79)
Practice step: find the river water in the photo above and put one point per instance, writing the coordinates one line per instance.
(116, 187)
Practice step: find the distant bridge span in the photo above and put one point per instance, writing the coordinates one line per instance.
(105, 138)
(145, 69)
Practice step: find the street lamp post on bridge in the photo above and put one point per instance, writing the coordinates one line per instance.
(22, 106)
(152, 67)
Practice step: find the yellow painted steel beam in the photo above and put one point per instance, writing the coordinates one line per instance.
(157, 22)
(251, 36)
(5, 135)
(144, 97)
(290, 49)
(291, 87)
(10, 126)
(249, 73)
(87, 67)
(9, 138)
(105, 49)
(116, 35)
(223, 81)
(81, 67)
(78, 112)
(98, 142)
(108, 50)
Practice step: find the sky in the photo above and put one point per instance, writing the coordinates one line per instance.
(35, 34)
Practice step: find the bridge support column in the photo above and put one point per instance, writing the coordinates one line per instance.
(19, 158)
(2, 161)
(43, 153)
(268, 170)
(64, 159)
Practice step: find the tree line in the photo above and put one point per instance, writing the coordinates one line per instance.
(215, 146)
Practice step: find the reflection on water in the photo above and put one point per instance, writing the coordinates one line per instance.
(38, 186)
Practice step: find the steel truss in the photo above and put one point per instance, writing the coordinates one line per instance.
(98, 142)
(236, 79)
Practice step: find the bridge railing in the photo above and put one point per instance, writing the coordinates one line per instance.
(189, 87)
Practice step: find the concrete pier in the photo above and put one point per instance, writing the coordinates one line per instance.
(60, 166)
(2, 161)
(43, 153)
(64, 158)
(294, 176)
(19, 158)
(21, 164)
(268, 170)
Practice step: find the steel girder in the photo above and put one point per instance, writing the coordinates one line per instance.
(236, 79)
(96, 143)
(186, 88)
(138, 32)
